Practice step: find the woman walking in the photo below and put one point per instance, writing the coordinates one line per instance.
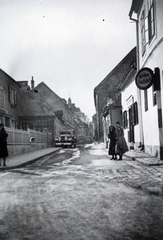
(3, 144)
(112, 138)
(121, 142)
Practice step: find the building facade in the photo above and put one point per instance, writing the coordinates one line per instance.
(107, 97)
(148, 17)
(56, 103)
(9, 99)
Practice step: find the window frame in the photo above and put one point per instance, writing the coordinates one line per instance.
(2, 97)
(151, 21)
(143, 35)
(12, 95)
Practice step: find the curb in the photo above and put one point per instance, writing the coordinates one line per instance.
(28, 162)
(155, 161)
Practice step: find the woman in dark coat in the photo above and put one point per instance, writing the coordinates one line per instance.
(112, 137)
(121, 142)
(3, 144)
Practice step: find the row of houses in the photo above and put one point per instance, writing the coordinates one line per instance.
(132, 92)
(38, 108)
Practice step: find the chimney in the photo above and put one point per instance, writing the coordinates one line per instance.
(32, 83)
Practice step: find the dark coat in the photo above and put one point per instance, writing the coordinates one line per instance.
(3, 143)
(121, 142)
(112, 137)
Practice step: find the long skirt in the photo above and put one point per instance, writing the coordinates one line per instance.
(112, 147)
(3, 150)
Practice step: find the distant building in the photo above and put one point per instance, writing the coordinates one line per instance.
(9, 99)
(59, 105)
(81, 120)
(38, 108)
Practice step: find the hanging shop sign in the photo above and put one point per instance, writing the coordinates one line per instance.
(144, 78)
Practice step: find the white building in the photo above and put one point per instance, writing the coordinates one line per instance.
(130, 107)
(148, 16)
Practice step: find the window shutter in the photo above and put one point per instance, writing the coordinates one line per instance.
(136, 113)
(133, 114)
(149, 26)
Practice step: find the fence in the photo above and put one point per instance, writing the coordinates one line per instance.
(21, 141)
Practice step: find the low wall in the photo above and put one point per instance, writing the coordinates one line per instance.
(19, 141)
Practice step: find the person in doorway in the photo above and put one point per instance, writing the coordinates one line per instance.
(112, 143)
(3, 144)
(121, 145)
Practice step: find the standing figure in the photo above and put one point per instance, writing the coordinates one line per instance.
(3, 144)
(121, 142)
(112, 137)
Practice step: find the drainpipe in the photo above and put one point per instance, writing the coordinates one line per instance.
(138, 90)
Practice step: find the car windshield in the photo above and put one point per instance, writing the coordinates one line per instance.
(65, 135)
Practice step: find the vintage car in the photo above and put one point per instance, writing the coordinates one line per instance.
(66, 138)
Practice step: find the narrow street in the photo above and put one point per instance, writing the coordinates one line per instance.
(79, 193)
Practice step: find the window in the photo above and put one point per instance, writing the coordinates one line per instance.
(2, 102)
(146, 100)
(143, 39)
(12, 95)
(7, 122)
(147, 25)
(151, 21)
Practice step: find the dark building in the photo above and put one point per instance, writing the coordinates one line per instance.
(107, 90)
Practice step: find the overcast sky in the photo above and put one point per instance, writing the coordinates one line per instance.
(70, 45)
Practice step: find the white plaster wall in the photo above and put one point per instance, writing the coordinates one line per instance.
(152, 58)
(127, 91)
(150, 120)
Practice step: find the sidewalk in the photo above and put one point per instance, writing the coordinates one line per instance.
(143, 158)
(27, 158)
